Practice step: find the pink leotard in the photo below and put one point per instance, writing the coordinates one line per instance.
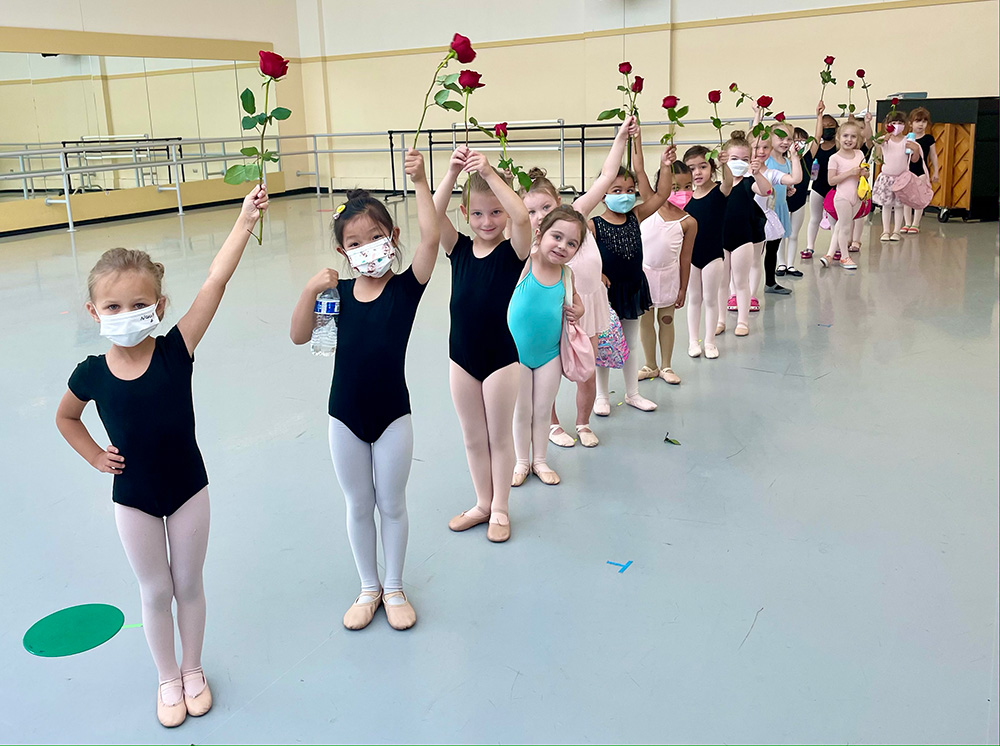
(896, 157)
(848, 188)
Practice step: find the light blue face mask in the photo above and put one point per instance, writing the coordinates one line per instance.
(620, 203)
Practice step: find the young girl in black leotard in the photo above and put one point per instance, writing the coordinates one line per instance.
(707, 206)
(484, 373)
(619, 239)
(142, 388)
(371, 432)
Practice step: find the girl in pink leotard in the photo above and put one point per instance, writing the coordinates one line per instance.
(844, 173)
(897, 152)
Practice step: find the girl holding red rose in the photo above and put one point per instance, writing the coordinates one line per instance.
(484, 371)
(619, 239)
(371, 437)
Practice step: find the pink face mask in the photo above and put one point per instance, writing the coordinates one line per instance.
(679, 199)
(894, 128)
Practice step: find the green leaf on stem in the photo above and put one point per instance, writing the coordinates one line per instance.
(621, 115)
(851, 108)
(682, 112)
(247, 99)
(453, 87)
(451, 79)
(524, 180)
(251, 172)
(270, 156)
(235, 174)
(623, 89)
(250, 151)
(666, 138)
(249, 123)
(441, 96)
(281, 113)
(717, 123)
(608, 114)
(452, 106)
(261, 118)
(779, 132)
(672, 115)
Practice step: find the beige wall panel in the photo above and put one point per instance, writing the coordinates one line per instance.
(219, 111)
(171, 105)
(22, 128)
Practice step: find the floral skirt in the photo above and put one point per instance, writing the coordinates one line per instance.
(882, 193)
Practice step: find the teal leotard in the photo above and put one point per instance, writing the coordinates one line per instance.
(535, 320)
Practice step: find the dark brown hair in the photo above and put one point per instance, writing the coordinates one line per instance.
(677, 167)
(360, 202)
(700, 151)
(539, 183)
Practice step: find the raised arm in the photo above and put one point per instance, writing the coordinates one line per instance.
(194, 323)
(585, 203)
(443, 196)
(818, 134)
(666, 182)
(520, 223)
(427, 218)
(107, 461)
(642, 184)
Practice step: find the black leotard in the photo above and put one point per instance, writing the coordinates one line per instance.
(710, 213)
(745, 220)
(821, 184)
(798, 200)
(925, 143)
(621, 254)
(369, 392)
(480, 341)
(150, 420)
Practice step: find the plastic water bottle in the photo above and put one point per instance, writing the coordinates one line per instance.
(324, 336)
(814, 171)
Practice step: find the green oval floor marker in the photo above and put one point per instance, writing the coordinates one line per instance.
(73, 630)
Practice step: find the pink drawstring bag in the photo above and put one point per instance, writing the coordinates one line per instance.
(575, 351)
(866, 206)
(912, 190)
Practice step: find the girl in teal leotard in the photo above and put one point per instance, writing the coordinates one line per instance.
(535, 317)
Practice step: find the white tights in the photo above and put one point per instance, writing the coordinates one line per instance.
(789, 250)
(631, 368)
(912, 217)
(164, 578)
(532, 411)
(703, 289)
(815, 218)
(486, 413)
(888, 225)
(374, 475)
(844, 228)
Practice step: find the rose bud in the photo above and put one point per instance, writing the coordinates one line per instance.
(733, 87)
(764, 101)
(462, 48)
(670, 102)
(714, 97)
(273, 65)
(894, 101)
(850, 83)
(779, 117)
(828, 60)
(625, 68)
(860, 73)
(500, 130)
(637, 85)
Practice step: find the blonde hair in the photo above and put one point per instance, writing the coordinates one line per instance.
(539, 183)
(852, 124)
(116, 261)
(479, 185)
(737, 139)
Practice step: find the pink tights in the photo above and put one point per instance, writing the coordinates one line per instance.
(703, 289)
(535, 399)
(486, 413)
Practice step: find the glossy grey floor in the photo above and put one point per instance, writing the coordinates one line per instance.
(817, 560)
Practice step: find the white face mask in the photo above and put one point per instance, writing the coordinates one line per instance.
(373, 259)
(129, 329)
(738, 167)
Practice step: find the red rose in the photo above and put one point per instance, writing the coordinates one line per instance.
(273, 65)
(764, 101)
(637, 85)
(860, 73)
(850, 83)
(828, 60)
(670, 102)
(733, 87)
(500, 130)
(779, 117)
(714, 97)
(894, 101)
(625, 68)
(462, 48)
(469, 80)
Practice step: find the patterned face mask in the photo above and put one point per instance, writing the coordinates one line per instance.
(129, 329)
(373, 259)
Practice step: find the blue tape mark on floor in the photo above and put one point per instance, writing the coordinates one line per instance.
(826, 325)
(619, 564)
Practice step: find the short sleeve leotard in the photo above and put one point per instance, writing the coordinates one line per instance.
(150, 420)
(621, 253)
(848, 188)
(744, 219)
(480, 340)
(369, 391)
(925, 143)
(709, 212)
